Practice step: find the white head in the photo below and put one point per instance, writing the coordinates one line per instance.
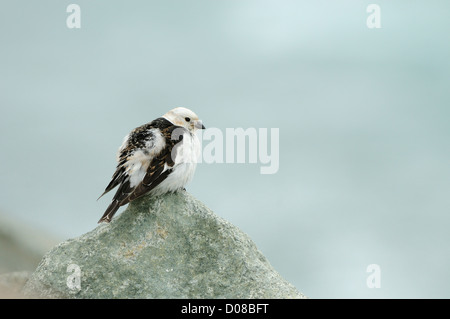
(184, 117)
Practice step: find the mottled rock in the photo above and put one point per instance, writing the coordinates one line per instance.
(169, 246)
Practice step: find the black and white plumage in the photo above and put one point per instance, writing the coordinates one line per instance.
(156, 158)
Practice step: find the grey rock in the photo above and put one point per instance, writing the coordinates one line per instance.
(169, 246)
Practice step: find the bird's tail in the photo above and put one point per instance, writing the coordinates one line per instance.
(110, 211)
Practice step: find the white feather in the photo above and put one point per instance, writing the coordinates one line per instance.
(185, 154)
(137, 163)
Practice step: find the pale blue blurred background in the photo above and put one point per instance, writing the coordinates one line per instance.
(363, 115)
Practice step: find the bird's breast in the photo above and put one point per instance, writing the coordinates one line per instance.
(185, 157)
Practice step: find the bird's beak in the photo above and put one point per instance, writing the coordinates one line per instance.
(198, 124)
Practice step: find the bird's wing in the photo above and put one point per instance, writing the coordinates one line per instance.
(157, 172)
(120, 175)
(159, 167)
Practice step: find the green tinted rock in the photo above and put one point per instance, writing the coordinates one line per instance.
(170, 246)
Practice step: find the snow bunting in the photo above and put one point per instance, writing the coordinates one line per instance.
(156, 158)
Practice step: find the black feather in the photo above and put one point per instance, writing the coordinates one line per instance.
(138, 139)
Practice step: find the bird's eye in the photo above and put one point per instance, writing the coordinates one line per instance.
(187, 119)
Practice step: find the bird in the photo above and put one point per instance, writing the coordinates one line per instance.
(155, 158)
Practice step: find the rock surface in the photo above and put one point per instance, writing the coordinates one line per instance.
(170, 246)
